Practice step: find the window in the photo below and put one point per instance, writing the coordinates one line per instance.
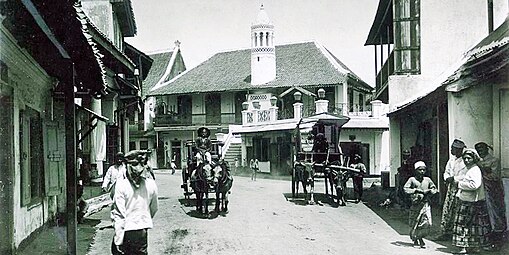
(407, 36)
(31, 156)
(350, 100)
(143, 145)
(132, 146)
(361, 102)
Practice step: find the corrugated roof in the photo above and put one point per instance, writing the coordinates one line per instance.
(299, 64)
(159, 65)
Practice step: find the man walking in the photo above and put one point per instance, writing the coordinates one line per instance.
(134, 206)
(114, 173)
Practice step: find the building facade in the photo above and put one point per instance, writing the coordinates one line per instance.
(246, 98)
(418, 44)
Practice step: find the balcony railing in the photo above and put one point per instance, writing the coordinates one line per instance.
(383, 75)
(172, 120)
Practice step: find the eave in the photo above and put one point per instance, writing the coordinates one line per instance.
(125, 14)
(383, 19)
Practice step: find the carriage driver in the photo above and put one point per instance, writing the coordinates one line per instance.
(203, 147)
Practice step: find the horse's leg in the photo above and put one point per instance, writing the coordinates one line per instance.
(225, 199)
(206, 198)
(312, 190)
(218, 200)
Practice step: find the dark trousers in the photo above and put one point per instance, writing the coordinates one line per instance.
(357, 186)
(135, 243)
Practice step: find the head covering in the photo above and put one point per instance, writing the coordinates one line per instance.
(357, 156)
(457, 143)
(407, 152)
(200, 130)
(482, 145)
(473, 153)
(419, 164)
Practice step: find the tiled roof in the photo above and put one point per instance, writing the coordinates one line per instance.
(159, 66)
(299, 64)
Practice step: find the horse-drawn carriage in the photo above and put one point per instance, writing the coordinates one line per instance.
(317, 154)
(206, 172)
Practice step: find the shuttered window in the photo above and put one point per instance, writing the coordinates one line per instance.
(407, 41)
(31, 156)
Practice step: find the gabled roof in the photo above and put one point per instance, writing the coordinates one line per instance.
(298, 64)
(160, 64)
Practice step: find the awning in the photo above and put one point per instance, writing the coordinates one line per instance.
(276, 126)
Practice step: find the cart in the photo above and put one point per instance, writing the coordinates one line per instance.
(316, 147)
(191, 164)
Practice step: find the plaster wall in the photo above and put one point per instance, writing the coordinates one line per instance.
(447, 31)
(374, 139)
(471, 115)
(100, 12)
(31, 88)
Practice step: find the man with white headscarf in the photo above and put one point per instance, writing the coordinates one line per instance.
(134, 206)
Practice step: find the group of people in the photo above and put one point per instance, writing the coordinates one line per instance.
(473, 213)
(132, 187)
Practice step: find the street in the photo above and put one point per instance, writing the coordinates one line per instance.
(263, 219)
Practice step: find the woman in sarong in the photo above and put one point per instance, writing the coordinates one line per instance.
(420, 188)
(472, 223)
(491, 175)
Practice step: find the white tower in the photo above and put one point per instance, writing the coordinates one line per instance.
(263, 53)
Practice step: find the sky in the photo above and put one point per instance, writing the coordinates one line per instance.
(206, 27)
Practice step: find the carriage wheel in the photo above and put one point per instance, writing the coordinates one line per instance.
(293, 182)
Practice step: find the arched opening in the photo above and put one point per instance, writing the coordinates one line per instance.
(261, 38)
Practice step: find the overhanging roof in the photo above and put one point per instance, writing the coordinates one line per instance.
(488, 58)
(66, 27)
(378, 33)
(125, 14)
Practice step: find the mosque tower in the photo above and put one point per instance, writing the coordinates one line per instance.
(263, 53)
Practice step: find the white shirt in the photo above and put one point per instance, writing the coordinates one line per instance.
(471, 187)
(114, 173)
(455, 168)
(133, 208)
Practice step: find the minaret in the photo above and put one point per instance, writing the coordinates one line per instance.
(263, 53)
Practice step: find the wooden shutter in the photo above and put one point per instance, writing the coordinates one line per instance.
(54, 157)
(24, 138)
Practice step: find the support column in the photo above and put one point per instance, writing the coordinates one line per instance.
(70, 161)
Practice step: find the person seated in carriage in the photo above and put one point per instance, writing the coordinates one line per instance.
(203, 147)
(320, 148)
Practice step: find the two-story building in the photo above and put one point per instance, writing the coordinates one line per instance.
(109, 23)
(165, 65)
(46, 60)
(246, 98)
(418, 45)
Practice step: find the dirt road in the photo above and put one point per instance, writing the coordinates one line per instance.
(263, 219)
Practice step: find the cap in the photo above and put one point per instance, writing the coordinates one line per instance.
(458, 144)
(406, 152)
(419, 164)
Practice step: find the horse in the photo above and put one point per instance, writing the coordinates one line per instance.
(337, 178)
(223, 182)
(304, 173)
(200, 185)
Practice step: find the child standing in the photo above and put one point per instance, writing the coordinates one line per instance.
(420, 188)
